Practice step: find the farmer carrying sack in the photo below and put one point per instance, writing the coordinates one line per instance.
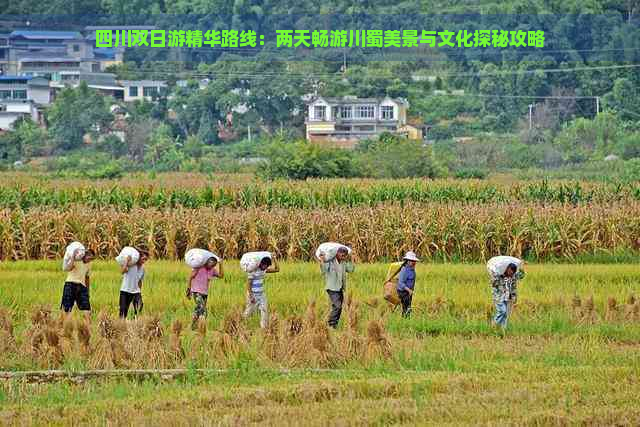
(76, 248)
(497, 265)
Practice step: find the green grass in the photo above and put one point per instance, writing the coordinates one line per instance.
(463, 289)
(448, 364)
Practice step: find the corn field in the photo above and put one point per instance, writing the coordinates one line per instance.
(313, 194)
(436, 231)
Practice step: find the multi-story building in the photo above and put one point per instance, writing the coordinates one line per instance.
(346, 121)
(4, 53)
(21, 88)
(44, 53)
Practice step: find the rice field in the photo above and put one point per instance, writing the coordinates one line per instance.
(569, 356)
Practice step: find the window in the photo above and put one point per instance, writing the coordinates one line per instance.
(320, 112)
(346, 112)
(76, 48)
(95, 68)
(334, 112)
(387, 112)
(133, 91)
(5, 94)
(365, 128)
(364, 112)
(20, 94)
(149, 91)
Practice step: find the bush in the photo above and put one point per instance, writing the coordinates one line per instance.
(302, 160)
(113, 145)
(395, 157)
(631, 170)
(110, 170)
(471, 173)
(84, 164)
(582, 138)
(629, 146)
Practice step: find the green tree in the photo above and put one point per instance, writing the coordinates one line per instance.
(76, 112)
(623, 99)
(31, 139)
(162, 153)
(196, 112)
(583, 138)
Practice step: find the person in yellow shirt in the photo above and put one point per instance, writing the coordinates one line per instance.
(76, 286)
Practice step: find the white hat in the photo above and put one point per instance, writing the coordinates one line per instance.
(411, 256)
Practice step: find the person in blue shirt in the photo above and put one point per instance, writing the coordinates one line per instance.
(407, 282)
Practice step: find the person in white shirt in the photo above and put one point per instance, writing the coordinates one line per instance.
(131, 288)
(256, 298)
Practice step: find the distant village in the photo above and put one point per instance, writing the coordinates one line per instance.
(36, 64)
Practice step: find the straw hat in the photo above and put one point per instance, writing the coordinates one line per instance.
(411, 256)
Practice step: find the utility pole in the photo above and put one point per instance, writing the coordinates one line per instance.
(597, 105)
(530, 116)
(249, 132)
(344, 62)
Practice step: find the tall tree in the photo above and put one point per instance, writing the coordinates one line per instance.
(77, 112)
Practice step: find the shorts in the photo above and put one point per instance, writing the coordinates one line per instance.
(75, 293)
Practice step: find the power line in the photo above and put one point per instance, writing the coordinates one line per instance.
(544, 70)
(480, 95)
(218, 74)
(628, 112)
(337, 48)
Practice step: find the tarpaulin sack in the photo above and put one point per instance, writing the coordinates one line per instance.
(68, 260)
(196, 258)
(496, 266)
(329, 250)
(128, 251)
(251, 260)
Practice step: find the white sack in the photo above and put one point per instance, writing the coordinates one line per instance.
(128, 251)
(496, 266)
(329, 250)
(68, 260)
(251, 260)
(196, 258)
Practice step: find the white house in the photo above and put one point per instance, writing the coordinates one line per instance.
(137, 90)
(347, 120)
(10, 111)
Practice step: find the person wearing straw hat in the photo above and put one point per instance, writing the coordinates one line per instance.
(407, 281)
